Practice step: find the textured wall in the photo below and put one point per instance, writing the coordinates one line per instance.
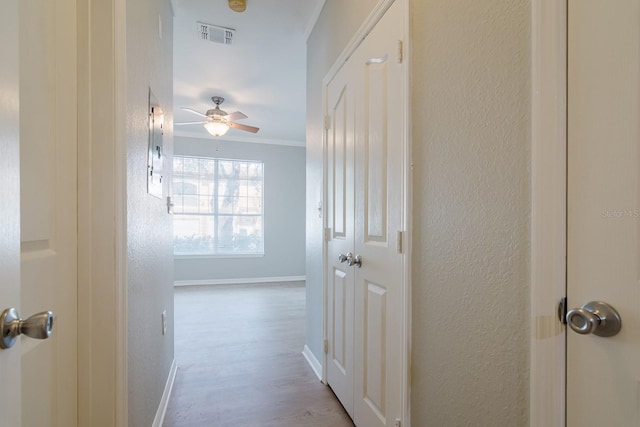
(284, 215)
(471, 154)
(149, 227)
(336, 25)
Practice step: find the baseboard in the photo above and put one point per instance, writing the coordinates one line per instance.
(246, 280)
(164, 402)
(313, 362)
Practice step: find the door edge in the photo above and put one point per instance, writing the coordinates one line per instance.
(547, 373)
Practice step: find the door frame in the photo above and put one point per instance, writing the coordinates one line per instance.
(370, 22)
(102, 237)
(547, 374)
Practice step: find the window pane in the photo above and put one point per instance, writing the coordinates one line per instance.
(254, 205)
(178, 164)
(205, 187)
(189, 186)
(255, 188)
(205, 204)
(240, 234)
(228, 169)
(208, 168)
(255, 170)
(191, 165)
(190, 204)
(228, 205)
(193, 235)
(243, 188)
(228, 187)
(244, 170)
(177, 204)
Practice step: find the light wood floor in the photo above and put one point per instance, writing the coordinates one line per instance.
(238, 351)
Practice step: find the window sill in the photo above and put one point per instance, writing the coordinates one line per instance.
(221, 256)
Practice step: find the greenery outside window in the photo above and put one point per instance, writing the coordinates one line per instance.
(218, 206)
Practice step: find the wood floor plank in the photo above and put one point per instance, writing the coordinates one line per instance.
(238, 351)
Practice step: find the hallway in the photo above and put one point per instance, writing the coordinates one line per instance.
(238, 351)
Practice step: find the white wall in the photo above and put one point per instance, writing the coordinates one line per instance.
(471, 155)
(284, 213)
(149, 226)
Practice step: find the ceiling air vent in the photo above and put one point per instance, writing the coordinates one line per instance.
(215, 34)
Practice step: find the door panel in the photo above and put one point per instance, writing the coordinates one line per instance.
(603, 374)
(376, 103)
(48, 194)
(375, 341)
(340, 221)
(379, 213)
(338, 149)
(339, 334)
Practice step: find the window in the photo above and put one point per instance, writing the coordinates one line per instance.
(217, 206)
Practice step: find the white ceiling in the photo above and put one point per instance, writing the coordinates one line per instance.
(262, 74)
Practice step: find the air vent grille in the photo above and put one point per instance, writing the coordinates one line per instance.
(216, 34)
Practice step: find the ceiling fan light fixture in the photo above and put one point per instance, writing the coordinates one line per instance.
(238, 5)
(216, 128)
(219, 121)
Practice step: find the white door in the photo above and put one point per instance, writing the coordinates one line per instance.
(379, 220)
(47, 208)
(340, 223)
(603, 253)
(365, 219)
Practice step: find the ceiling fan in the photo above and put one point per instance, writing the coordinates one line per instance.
(219, 121)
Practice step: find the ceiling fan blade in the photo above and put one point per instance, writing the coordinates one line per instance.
(189, 123)
(247, 128)
(193, 111)
(236, 116)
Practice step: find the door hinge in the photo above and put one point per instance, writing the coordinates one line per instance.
(327, 122)
(400, 51)
(400, 242)
(562, 311)
(327, 234)
(326, 346)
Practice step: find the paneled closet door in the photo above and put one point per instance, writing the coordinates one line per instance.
(340, 223)
(378, 325)
(365, 141)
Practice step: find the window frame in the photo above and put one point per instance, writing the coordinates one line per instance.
(214, 178)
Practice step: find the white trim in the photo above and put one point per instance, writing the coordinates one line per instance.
(325, 225)
(314, 19)
(313, 362)
(548, 212)
(120, 196)
(247, 280)
(166, 395)
(102, 353)
(408, 214)
(253, 140)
